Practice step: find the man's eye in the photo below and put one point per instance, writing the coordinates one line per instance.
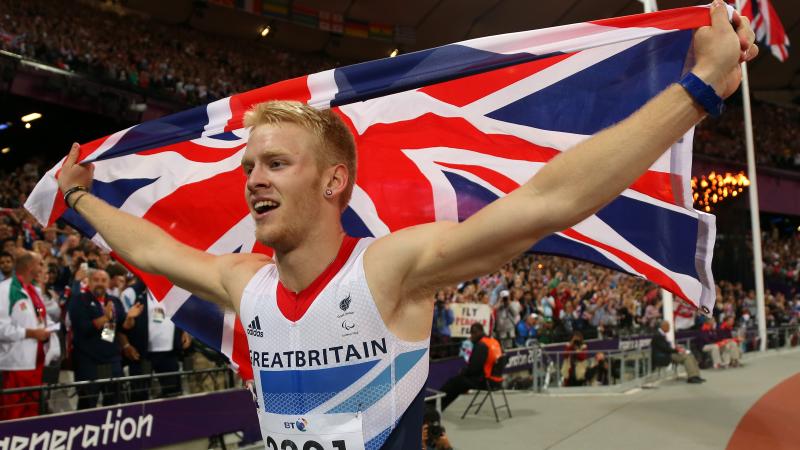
(276, 164)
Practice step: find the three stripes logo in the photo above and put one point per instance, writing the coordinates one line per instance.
(254, 328)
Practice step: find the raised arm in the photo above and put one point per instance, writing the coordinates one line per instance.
(439, 254)
(149, 248)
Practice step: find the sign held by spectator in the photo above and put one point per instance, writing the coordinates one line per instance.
(468, 313)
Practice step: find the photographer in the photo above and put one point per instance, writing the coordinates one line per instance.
(433, 433)
(504, 324)
(573, 369)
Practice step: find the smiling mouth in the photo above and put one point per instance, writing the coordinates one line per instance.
(263, 206)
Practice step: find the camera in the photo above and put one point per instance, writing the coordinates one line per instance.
(435, 428)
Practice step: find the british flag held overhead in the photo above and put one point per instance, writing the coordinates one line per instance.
(767, 27)
(440, 133)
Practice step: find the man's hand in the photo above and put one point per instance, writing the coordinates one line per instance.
(135, 311)
(40, 334)
(130, 352)
(109, 309)
(720, 48)
(73, 174)
(186, 340)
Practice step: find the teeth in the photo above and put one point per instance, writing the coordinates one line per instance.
(265, 204)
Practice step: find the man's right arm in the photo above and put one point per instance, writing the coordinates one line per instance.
(153, 250)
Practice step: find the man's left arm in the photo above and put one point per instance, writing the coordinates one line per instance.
(569, 188)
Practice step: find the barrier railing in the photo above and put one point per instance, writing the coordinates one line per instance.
(123, 389)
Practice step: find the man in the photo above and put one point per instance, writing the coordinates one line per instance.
(485, 351)
(6, 266)
(25, 338)
(443, 317)
(331, 317)
(526, 329)
(504, 321)
(155, 339)
(97, 321)
(663, 352)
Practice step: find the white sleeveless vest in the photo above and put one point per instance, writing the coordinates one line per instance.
(339, 357)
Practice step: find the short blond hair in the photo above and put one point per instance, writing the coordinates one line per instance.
(337, 145)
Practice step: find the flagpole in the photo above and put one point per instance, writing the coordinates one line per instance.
(755, 220)
(667, 299)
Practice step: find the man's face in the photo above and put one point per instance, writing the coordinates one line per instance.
(9, 246)
(665, 327)
(284, 190)
(6, 265)
(119, 281)
(98, 283)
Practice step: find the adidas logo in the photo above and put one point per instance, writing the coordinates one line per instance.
(254, 329)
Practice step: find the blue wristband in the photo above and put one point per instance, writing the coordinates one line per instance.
(703, 94)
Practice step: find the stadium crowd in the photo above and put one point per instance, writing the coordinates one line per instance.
(119, 46)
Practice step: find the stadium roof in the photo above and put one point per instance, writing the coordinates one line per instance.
(439, 22)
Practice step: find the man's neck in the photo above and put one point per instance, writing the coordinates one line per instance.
(24, 278)
(299, 267)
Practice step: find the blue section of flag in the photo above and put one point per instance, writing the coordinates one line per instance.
(353, 225)
(172, 129)
(390, 75)
(638, 222)
(470, 196)
(114, 193)
(559, 245)
(202, 319)
(592, 100)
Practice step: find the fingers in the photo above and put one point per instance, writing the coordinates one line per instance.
(72, 157)
(719, 15)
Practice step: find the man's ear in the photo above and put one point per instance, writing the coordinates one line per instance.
(337, 178)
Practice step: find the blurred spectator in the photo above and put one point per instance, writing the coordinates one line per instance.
(526, 330)
(485, 351)
(154, 343)
(575, 364)
(504, 323)
(6, 266)
(663, 353)
(442, 319)
(26, 341)
(97, 323)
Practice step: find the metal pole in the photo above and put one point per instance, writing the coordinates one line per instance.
(755, 221)
(667, 309)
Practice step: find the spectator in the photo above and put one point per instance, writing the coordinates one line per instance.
(6, 266)
(526, 330)
(573, 369)
(443, 317)
(663, 353)
(485, 352)
(97, 322)
(154, 341)
(504, 323)
(26, 343)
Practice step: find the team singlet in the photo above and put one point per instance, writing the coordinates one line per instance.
(335, 378)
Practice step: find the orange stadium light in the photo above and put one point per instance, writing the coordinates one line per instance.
(715, 187)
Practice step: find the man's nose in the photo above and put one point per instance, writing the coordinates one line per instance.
(257, 179)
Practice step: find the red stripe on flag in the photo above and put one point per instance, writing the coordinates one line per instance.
(669, 19)
(469, 89)
(651, 273)
(196, 153)
(294, 89)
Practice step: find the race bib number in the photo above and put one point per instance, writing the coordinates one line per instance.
(311, 432)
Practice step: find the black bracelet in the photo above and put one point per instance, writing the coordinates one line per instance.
(75, 205)
(73, 190)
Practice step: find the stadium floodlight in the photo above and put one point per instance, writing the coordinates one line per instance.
(31, 117)
(394, 53)
(27, 126)
(5, 126)
(266, 31)
(5, 150)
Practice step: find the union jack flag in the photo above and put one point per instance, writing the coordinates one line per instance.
(767, 26)
(440, 133)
